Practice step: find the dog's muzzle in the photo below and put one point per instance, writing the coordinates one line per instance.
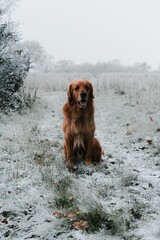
(82, 100)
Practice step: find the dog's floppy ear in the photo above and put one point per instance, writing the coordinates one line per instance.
(91, 89)
(69, 93)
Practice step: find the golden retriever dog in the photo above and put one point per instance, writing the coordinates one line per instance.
(79, 126)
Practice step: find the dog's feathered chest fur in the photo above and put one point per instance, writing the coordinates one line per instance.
(81, 124)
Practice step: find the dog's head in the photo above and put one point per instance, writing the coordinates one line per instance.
(80, 92)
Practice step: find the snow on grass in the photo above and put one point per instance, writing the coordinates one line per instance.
(119, 199)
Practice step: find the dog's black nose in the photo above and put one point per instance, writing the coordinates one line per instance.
(83, 94)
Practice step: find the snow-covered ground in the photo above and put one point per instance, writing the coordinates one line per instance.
(37, 193)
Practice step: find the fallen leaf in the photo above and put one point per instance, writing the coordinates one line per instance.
(149, 141)
(71, 215)
(59, 214)
(80, 225)
(143, 148)
(5, 221)
(71, 198)
(151, 119)
(129, 131)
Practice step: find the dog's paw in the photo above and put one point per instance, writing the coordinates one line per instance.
(88, 162)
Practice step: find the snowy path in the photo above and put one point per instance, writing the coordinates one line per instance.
(126, 185)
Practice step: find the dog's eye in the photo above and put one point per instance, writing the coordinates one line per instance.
(87, 87)
(76, 88)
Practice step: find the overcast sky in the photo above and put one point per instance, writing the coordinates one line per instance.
(93, 30)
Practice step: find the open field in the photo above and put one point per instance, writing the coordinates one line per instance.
(119, 199)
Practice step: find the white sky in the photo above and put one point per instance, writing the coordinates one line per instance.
(93, 30)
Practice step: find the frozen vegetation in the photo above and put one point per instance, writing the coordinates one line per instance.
(119, 199)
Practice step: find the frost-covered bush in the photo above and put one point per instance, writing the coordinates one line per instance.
(13, 68)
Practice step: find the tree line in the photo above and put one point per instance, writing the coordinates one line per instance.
(39, 60)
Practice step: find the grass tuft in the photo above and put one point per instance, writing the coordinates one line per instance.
(97, 219)
(129, 180)
(63, 197)
(64, 201)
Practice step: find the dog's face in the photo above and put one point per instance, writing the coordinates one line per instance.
(80, 92)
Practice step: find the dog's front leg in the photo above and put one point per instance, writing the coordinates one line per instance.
(69, 151)
(89, 148)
